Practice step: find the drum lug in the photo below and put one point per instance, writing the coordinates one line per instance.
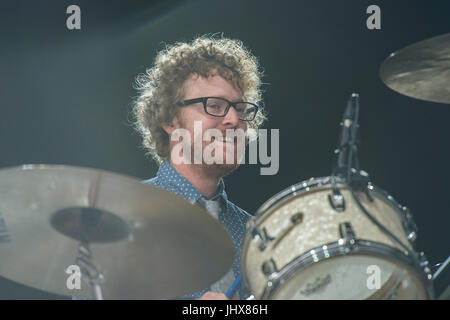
(346, 232)
(368, 193)
(269, 267)
(260, 237)
(359, 180)
(412, 236)
(336, 200)
(409, 226)
(423, 261)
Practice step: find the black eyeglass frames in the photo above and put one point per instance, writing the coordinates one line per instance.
(219, 107)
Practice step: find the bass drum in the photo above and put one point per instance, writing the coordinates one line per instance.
(301, 245)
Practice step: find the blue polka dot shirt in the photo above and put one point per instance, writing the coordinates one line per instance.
(231, 216)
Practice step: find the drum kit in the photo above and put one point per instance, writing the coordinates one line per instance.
(336, 237)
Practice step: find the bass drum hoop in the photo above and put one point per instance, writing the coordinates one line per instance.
(346, 247)
(314, 183)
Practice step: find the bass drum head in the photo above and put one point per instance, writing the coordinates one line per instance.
(350, 277)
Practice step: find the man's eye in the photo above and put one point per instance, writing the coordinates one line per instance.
(214, 106)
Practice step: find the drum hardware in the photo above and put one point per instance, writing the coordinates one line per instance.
(368, 193)
(410, 227)
(346, 154)
(346, 232)
(336, 200)
(89, 272)
(269, 267)
(441, 267)
(424, 263)
(346, 151)
(357, 180)
(260, 237)
(441, 280)
(88, 225)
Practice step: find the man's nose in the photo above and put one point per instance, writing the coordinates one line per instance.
(231, 118)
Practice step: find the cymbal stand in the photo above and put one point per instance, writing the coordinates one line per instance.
(89, 272)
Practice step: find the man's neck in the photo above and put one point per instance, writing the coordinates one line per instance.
(205, 181)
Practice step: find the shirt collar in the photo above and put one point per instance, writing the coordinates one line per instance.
(172, 180)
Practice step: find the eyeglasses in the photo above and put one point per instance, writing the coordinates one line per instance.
(219, 107)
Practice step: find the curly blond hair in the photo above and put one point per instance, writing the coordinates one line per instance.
(161, 87)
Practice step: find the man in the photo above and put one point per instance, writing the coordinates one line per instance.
(214, 83)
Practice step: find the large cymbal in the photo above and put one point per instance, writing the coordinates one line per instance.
(147, 242)
(421, 70)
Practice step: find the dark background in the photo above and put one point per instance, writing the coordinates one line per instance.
(66, 95)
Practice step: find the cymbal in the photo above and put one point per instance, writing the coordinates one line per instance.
(147, 242)
(421, 70)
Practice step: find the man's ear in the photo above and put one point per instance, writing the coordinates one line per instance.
(170, 126)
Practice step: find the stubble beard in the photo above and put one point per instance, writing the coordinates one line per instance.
(218, 169)
(215, 169)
